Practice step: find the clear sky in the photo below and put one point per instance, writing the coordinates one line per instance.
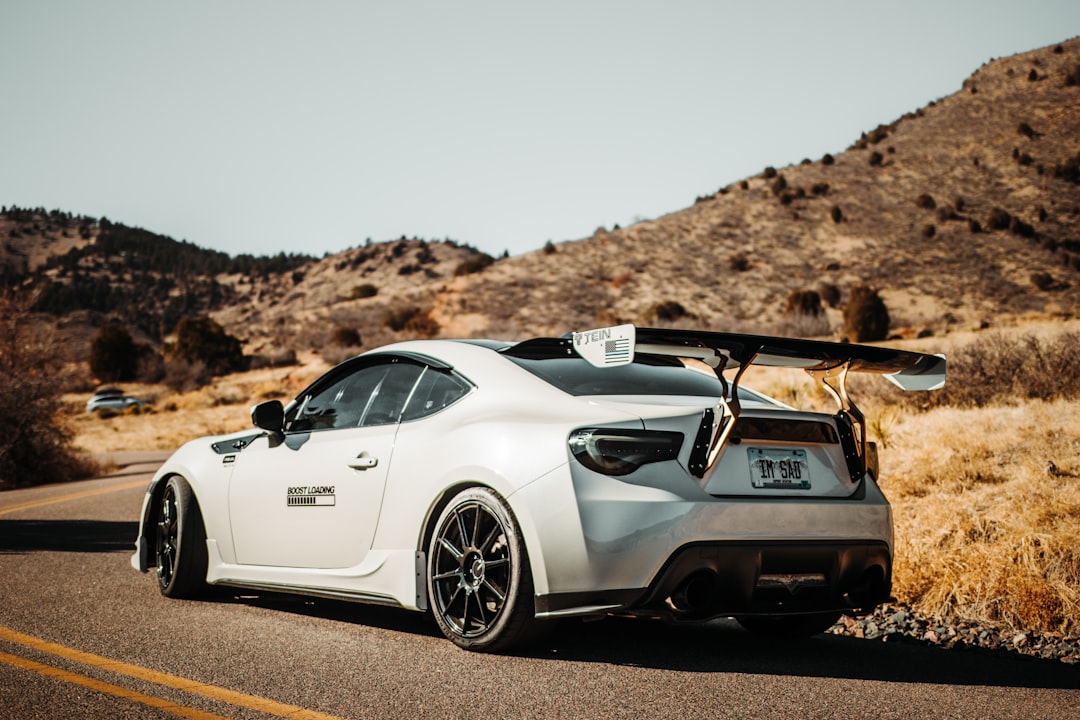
(261, 126)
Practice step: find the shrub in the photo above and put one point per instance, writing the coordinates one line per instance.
(396, 318)
(866, 319)
(998, 220)
(422, 325)
(739, 262)
(829, 293)
(1072, 78)
(549, 248)
(473, 264)
(929, 231)
(150, 366)
(411, 319)
(837, 214)
(974, 226)
(779, 184)
(667, 310)
(769, 173)
(35, 445)
(365, 290)
(345, 337)
(926, 201)
(1021, 228)
(1043, 281)
(1069, 169)
(744, 184)
(876, 158)
(113, 356)
(1027, 131)
(820, 188)
(945, 214)
(997, 368)
(202, 340)
(803, 302)
(827, 159)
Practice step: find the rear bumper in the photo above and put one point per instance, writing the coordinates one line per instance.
(724, 579)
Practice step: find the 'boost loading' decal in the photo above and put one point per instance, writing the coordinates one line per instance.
(319, 496)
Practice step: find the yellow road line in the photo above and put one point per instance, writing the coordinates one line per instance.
(74, 496)
(107, 688)
(252, 702)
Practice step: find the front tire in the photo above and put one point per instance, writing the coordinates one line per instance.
(180, 542)
(478, 574)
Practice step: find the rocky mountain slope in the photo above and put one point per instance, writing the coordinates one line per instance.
(961, 213)
(950, 211)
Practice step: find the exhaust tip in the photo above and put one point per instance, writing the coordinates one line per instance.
(695, 593)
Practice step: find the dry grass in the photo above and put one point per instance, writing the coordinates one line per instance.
(985, 486)
(987, 509)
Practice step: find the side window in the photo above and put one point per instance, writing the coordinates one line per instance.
(369, 395)
(436, 390)
(388, 399)
(337, 405)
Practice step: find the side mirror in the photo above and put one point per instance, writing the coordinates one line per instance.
(269, 415)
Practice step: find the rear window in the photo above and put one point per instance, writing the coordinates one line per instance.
(647, 375)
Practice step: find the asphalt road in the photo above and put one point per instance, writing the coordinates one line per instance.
(82, 635)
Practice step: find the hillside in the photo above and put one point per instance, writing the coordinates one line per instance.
(963, 213)
(908, 196)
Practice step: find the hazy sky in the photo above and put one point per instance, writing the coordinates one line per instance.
(264, 127)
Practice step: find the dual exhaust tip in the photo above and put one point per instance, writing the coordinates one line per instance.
(703, 594)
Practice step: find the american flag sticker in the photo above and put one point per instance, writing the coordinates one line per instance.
(606, 347)
(616, 351)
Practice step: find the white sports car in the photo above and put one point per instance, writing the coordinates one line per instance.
(619, 471)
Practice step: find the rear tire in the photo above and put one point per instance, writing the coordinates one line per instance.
(180, 542)
(789, 626)
(478, 575)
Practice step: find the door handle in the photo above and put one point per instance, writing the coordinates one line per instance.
(363, 462)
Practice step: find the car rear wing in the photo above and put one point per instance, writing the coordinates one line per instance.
(827, 362)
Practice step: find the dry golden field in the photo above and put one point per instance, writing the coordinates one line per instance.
(986, 493)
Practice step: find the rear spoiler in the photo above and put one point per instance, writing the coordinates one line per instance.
(827, 362)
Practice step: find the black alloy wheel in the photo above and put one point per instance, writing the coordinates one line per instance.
(478, 575)
(180, 542)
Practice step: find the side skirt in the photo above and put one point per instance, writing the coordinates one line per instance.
(328, 593)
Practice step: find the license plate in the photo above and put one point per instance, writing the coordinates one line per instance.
(779, 468)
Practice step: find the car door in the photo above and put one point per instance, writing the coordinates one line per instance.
(312, 500)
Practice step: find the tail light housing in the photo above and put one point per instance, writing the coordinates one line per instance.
(620, 452)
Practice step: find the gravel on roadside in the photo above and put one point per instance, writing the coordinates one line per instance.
(899, 623)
